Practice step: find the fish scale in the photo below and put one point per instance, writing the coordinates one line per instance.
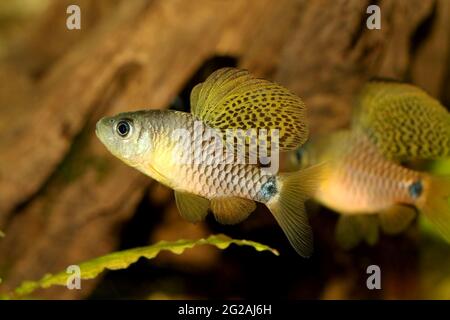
(369, 179)
(208, 180)
(171, 147)
(361, 180)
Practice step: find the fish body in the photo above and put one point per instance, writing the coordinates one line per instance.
(360, 180)
(172, 160)
(369, 191)
(199, 154)
(370, 179)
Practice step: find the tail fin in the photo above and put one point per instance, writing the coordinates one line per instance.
(435, 204)
(287, 206)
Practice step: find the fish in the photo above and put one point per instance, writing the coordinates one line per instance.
(403, 121)
(191, 152)
(370, 179)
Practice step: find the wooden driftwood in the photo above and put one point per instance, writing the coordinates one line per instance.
(64, 198)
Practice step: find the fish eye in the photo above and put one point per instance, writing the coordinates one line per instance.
(415, 189)
(123, 128)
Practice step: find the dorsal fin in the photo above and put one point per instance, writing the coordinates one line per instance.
(403, 121)
(233, 99)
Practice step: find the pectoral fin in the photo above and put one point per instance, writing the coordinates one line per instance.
(231, 210)
(396, 218)
(192, 207)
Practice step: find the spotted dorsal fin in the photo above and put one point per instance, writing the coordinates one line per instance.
(233, 99)
(403, 121)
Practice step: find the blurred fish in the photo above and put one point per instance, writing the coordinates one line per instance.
(161, 143)
(403, 121)
(366, 179)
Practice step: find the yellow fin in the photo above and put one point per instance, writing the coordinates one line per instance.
(396, 218)
(231, 210)
(435, 203)
(194, 95)
(352, 229)
(369, 225)
(348, 232)
(192, 207)
(288, 208)
(233, 99)
(403, 121)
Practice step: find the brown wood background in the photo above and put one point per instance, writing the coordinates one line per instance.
(64, 198)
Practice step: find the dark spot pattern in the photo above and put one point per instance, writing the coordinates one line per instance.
(403, 121)
(233, 99)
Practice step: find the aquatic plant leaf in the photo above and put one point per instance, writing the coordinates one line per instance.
(123, 259)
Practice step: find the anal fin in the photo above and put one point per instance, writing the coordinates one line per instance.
(192, 207)
(348, 233)
(369, 225)
(396, 218)
(352, 229)
(231, 210)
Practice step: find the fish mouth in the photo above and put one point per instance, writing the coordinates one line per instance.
(102, 129)
(97, 128)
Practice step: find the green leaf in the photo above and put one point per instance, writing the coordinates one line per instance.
(123, 259)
